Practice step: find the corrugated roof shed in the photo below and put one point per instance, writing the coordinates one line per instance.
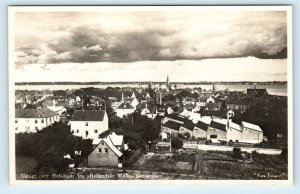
(172, 125)
(202, 125)
(217, 125)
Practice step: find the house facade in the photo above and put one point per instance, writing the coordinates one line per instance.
(33, 120)
(187, 128)
(107, 152)
(171, 127)
(89, 124)
(251, 133)
(200, 130)
(124, 109)
(149, 110)
(217, 131)
(234, 132)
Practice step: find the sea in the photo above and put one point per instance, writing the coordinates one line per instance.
(275, 89)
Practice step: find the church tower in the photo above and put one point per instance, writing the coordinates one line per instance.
(167, 84)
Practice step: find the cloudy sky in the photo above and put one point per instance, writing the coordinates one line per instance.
(149, 45)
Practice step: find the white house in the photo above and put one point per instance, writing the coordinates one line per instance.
(234, 132)
(33, 120)
(251, 133)
(107, 151)
(124, 109)
(89, 124)
(210, 100)
(58, 109)
(170, 110)
(149, 110)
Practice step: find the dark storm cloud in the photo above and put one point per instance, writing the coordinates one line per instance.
(263, 37)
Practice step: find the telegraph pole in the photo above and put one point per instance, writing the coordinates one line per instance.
(170, 141)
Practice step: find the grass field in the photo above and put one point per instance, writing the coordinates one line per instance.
(25, 165)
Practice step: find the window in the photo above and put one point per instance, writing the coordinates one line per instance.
(213, 136)
(42, 121)
(72, 131)
(77, 131)
(102, 143)
(99, 150)
(86, 124)
(16, 128)
(106, 150)
(16, 121)
(86, 133)
(36, 128)
(96, 131)
(35, 121)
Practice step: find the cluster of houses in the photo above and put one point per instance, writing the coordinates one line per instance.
(211, 128)
(191, 117)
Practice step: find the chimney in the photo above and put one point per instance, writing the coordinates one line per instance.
(227, 122)
(160, 100)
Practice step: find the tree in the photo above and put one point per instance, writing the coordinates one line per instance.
(176, 143)
(48, 147)
(237, 153)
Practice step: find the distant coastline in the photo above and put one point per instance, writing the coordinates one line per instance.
(149, 82)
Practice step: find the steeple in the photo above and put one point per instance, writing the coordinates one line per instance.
(133, 95)
(168, 84)
(167, 81)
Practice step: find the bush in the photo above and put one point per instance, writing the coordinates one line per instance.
(237, 153)
(48, 147)
(176, 143)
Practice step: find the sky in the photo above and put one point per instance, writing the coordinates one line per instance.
(149, 45)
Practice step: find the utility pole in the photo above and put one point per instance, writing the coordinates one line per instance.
(170, 141)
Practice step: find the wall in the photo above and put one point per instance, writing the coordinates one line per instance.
(102, 159)
(122, 112)
(183, 130)
(199, 133)
(234, 135)
(237, 107)
(167, 130)
(28, 125)
(100, 126)
(251, 136)
(221, 135)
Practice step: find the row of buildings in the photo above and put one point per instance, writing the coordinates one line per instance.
(215, 129)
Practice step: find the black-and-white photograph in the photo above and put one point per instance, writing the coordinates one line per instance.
(112, 93)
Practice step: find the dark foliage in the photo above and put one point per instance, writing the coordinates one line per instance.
(176, 143)
(237, 154)
(48, 147)
(269, 113)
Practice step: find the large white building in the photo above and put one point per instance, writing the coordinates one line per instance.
(251, 133)
(89, 124)
(33, 120)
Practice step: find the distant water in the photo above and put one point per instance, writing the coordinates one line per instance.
(280, 90)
